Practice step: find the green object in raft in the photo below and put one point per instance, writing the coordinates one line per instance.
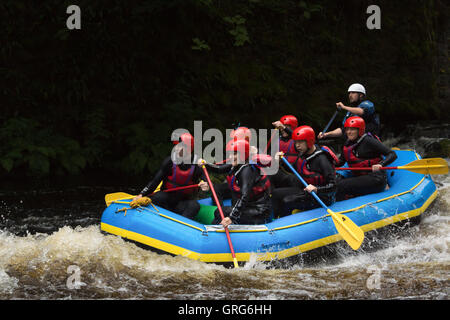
(206, 214)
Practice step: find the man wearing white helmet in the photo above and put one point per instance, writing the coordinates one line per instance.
(359, 106)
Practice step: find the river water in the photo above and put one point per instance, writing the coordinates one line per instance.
(51, 248)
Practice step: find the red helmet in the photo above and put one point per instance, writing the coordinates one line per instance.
(305, 133)
(356, 122)
(241, 146)
(187, 139)
(241, 133)
(289, 120)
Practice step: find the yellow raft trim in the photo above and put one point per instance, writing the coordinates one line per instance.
(266, 256)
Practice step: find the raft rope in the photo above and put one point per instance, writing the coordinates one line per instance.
(278, 228)
(157, 213)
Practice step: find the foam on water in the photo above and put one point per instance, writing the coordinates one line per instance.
(412, 264)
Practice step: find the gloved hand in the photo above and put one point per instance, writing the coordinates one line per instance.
(142, 201)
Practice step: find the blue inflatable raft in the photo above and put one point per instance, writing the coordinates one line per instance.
(408, 196)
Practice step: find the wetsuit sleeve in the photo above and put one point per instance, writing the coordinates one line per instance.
(288, 131)
(342, 160)
(329, 175)
(368, 108)
(247, 179)
(218, 168)
(161, 174)
(380, 148)
(198, 175)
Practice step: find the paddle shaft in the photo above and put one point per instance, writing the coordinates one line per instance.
(123, 196)
(330, 122)
(347, 228)
(223, 161)
(368, 168)
(178, 188)
(393, 168)
(270, 140)
(304, 183)
(221, 215)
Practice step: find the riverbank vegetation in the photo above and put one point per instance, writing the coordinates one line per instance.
(107, 96)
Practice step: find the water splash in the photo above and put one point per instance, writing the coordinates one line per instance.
(411, 264)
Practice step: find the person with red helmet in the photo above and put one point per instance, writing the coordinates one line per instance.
(176, 170)
(316, 166)
(241, 133)
(361, 150)
(285, 125)
(249, 186)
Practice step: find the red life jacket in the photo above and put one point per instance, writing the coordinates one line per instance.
(261, 186)
(180, 178)
(288, 148)
(351, 156)
(313, 177)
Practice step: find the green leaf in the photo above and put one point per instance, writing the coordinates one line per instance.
(200, 45)
(38, 163)
(7, 164)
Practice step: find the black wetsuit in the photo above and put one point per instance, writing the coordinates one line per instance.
(247, 207)
(285, 200)
(372, 182)
(176, 201)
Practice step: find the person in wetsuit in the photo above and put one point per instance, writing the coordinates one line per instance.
(285, 125)
(248, 184)
(174, 175)
(359, 106)
(240, 133)
(363, 150)
(316, 166)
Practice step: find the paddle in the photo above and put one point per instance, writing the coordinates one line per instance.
(221, 215)
(349, 231)
(111, 197)
(330, 122)
(422, 166)
(270, 140)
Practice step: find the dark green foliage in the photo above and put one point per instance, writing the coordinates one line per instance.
(109, 95)
(29, 146)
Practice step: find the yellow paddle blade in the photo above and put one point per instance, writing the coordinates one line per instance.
(351, 233)
(235, 262)
(111, 197)
(427, 166)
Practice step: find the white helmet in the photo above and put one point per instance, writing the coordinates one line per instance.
(356, 87)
